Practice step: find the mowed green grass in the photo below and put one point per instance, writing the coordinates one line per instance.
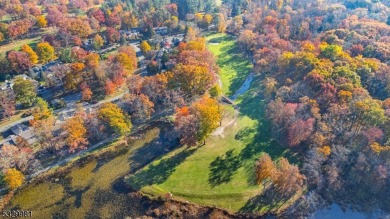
(222, 172)
(216, 174)
(234, 66)
(17, 44)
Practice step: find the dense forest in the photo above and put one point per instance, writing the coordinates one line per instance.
(323, 68)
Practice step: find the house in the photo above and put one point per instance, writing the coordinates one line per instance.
(161, 30)
(24, 132)
(62, 117)
(35, 72)
(10, 83)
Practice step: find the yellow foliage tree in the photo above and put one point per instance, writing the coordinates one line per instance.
(145, 47)
(207, 19)
(265, 169)
(14, 178)
(325, 150)
(377, 148)
(221, 26)
(111, 114)
(191, 34)
(98, 42)
(208, 114)
(41, 21)
(45, 52)
(76, 133)
(192, 79)
(126, 62)
(32, 55)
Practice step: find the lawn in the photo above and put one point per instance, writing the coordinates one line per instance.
(17, 44)
(234, 66)
(222, 172)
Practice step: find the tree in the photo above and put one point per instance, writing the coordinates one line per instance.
(98, 14)
(332, 52)
(187, 126)
(41, 110)
(139, 107)
(44, 132)
(25, 92)
(109, 87)
(221, 25)
(19, 61)
(369, 112)
(41, 21)
(129, 51)
(145, 47)
(86, 92)
(114, 118)
(98, 42)
(70, 82)
(247, 40)
(92, 61)
(122, 40)
(300, 131)
(325, 150)
(66, 55)
(265, 169)
(112, 35)
(7, 104)
(13, 178)
(77, 67)
(33, 56)
(191, 34)
(18, 156)
(129, 20)
(208, 115)
(193, 80)
(288, 179)
(78, 54)
(19, 27)
(215, 91)
(126, 62)
(77, 27)
(207, 19)
(76, 133)
(45, 52)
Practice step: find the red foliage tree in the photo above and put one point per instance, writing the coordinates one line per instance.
(300, 131)
(19, 61)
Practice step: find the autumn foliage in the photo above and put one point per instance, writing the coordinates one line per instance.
(13, 178)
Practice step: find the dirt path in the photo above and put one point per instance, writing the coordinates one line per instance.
(219, 131)
(244, 88)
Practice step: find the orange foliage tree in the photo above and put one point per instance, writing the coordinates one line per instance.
(76, 133)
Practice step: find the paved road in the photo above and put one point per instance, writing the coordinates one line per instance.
(10, 125)
(64, 110)
(66, 160)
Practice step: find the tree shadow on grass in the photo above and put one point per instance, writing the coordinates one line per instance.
(159, 173)
(153, 150)
(219, 39)
(267, 200)
(223, 168)
(232, 58)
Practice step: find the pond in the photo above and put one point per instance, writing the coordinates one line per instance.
(244, 87)
(94, 187)
(335, 211)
